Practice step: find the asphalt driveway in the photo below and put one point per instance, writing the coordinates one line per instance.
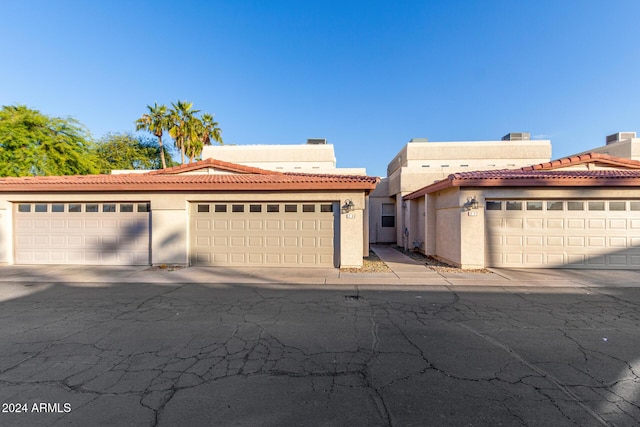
(95, 353)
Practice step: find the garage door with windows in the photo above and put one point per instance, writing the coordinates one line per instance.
(262, 234)
(563, 233)
(113, 233)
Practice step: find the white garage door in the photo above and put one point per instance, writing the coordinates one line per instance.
(262, 234)
(82, 233)
(563, 233)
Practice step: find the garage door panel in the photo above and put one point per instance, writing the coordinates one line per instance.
(514, 223)
(237, 241)
(555, 223)
(69, 237)
(91, 224)
(203, 225)
(618, 260)
(255, 241)
(534, 223)
(203, 241)
(617, 242)
(618, 224)
(575, 241)
(284, 234)
(291, 225)
(220, 241)
(58, 223)
(534, 240)
(220, 224)
(578, 238)
(256, 258)
(238, 258)
(513, 240)
(273, 259)
(533, 258)
(597, 260)
(576, 223)
(290, 259)
(555, 259)
(272, 241)
(325, 225)
(272, 225)
(513, 258)
(74, 224)
(595, 224)
(290, 241)
(255, 225)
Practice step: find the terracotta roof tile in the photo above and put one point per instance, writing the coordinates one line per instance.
(586, 158)
(213, 163)
(271, 181)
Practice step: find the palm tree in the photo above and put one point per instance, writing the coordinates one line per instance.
(210, 130)
(156, 121)
(183, 127)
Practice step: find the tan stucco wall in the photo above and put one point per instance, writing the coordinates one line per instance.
(170, 218)
(458, 236)
(5, 238)
(378, 197)
(627, 149)
(419, 164)
(448, 214)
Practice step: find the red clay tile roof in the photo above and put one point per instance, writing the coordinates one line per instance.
(255, 181)
(586, 158)
(544, 175)
(213, 163)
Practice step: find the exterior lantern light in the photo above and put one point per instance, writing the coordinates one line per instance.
(471, 203)
(348, 206)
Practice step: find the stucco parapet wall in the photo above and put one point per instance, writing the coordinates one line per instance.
(270, 153)
(547, 175)
(468, 151)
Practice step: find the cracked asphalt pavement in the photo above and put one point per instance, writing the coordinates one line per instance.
(251, 354)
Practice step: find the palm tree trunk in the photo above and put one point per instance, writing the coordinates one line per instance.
(164, 163)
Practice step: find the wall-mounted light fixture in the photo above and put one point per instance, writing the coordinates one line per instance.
(348, 206)
(471, 203)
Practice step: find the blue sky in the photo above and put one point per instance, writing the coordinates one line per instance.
(366, 75)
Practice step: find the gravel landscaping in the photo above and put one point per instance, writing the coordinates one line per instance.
(436, 265)
(371, 264)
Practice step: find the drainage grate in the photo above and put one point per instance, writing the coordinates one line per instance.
(352, 297)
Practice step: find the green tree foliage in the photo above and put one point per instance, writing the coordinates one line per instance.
(190, 133)
(183, 127)
(32, 143)
(124, 151)
(155, 121)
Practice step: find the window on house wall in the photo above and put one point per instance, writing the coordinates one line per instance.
(388, 215)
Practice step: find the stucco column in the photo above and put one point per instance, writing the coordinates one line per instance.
(169, 236)
(5, 237)
(471, 233)
(351, 238)
(430, 225)
(365, 233)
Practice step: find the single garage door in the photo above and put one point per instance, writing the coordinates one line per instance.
(563, 233)
(262, 234)
(82, 233)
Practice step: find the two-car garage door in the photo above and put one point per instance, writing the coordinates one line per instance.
(262, 234)
(82, 233)
(563, 233)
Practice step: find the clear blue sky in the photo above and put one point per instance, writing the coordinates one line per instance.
(366, 75)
